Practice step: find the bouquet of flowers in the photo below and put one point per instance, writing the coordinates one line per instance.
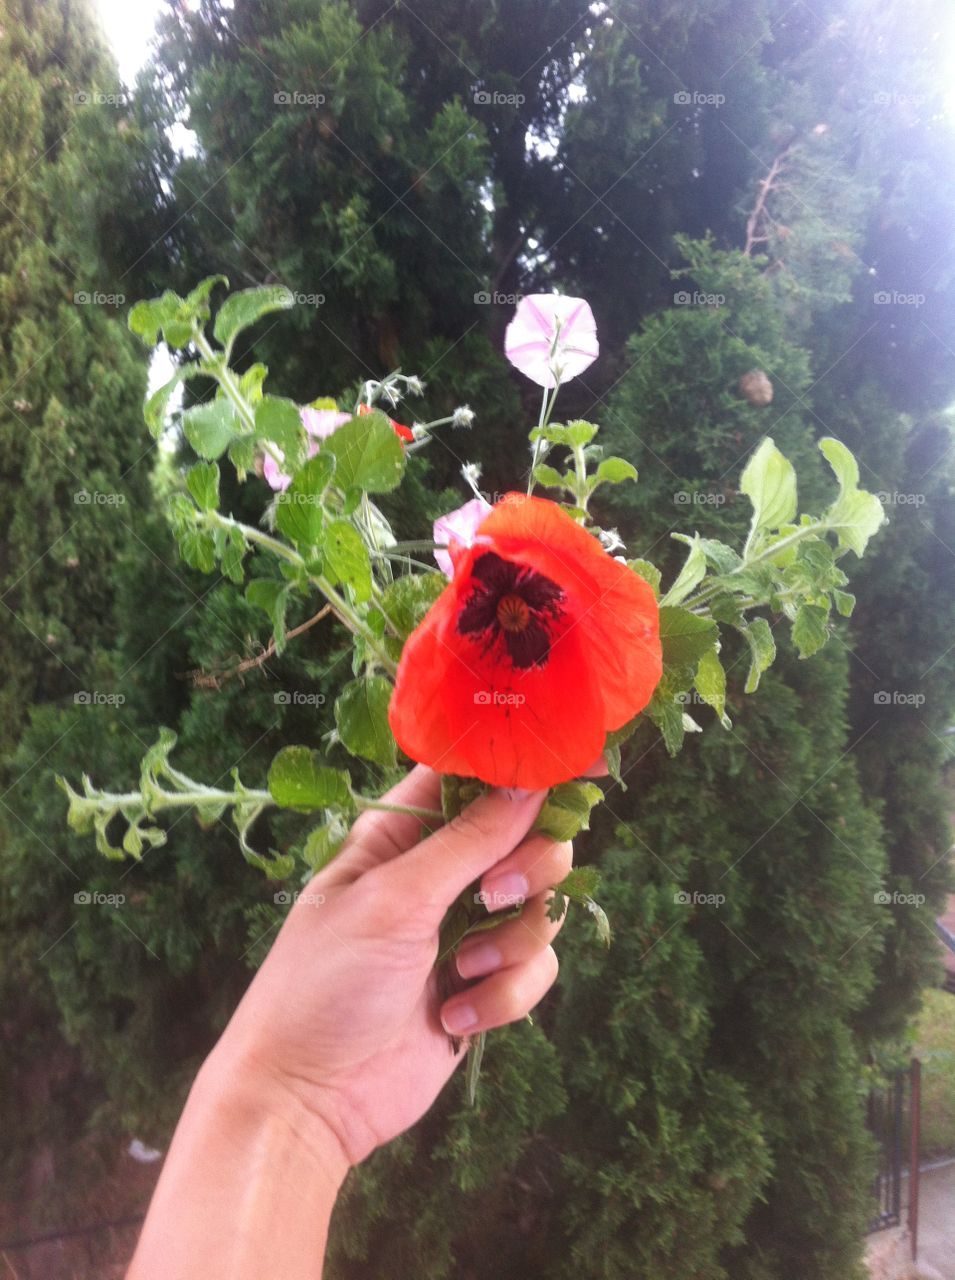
(530, 651)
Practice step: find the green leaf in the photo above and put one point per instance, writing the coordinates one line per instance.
(845, 602)
(723, 558)
(573, 434)
(762, 650)
(855, 515)
(615, 471)
(649, 572)
(232, 555)
(347, 559)
(298, 780)
(299, 510)
(279, 421)
(250, 384)
(198, 548)
(769, 481)
(842, 462)
(406, 600)
(566, 811)
(209, 427)
(361, 715)
(667, 715)
(243, 309)
(692, 572)
(202, 481)
(271, 596)
(685, 636)
(710, 684)
(368, 455)
(810, 632)
(155, 406)
(146, 319)
(322, 843)
(548, 476)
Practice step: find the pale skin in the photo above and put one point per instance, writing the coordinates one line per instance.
(341, 1041)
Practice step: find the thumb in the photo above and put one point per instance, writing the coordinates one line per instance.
(441, 867)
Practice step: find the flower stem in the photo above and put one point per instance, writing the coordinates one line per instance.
(414, 811)
(340, 606)
(806, 531)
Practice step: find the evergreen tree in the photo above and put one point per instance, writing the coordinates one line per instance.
(689, 1102)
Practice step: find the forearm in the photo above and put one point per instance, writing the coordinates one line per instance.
(247, 1189)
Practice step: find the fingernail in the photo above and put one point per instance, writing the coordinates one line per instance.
(477, 960)
(506, 890)
(458, 1018)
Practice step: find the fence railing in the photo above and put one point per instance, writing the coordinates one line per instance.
(892, 1115)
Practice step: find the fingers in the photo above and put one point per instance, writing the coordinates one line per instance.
(536, 864)
(504, 997)
(512, 943)
(436, 871)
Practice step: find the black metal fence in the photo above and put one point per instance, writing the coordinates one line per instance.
(893, 1120)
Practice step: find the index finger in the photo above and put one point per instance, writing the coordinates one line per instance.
(381, 834)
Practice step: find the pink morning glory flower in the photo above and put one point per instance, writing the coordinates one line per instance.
(552, 338)
(458, 526)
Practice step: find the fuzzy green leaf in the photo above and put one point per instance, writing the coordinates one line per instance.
(685, 636)
(298, 780)
(347, 560)
(243, 309)
(361, 716)
(769, 481)
(210, 427)
(202, 481)
(810, 632)
(368, 454)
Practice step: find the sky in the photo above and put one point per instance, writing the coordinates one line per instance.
(128, 25)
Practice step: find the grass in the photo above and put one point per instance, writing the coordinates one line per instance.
(935, 1045)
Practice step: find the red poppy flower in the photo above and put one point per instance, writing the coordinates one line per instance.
(402, 432)
(539, 645)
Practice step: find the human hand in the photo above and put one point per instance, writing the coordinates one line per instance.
(343, 1015)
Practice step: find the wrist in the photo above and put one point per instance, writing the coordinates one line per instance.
(254, 1103)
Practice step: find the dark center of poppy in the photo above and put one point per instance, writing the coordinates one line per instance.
(513, 613)
(514, 603)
